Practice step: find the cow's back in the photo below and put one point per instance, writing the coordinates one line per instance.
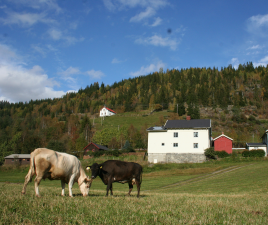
(55, 165)
(122, 169)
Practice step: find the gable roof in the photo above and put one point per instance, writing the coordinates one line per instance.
(18, 156)
(108, 109)
(195, 123)
(222, 135)
(100, 147)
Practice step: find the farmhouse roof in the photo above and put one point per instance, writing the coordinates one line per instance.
(108, 109)
(195, 123)
(255, 144)
(156, 128)
(222, 135)
(19, 156)
(100, 147)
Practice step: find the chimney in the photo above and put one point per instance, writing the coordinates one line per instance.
(188, 117)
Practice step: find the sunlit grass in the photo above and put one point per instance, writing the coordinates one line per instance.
(195, 196)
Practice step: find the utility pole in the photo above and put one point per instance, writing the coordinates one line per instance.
(177, 109)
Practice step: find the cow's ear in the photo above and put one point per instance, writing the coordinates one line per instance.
(100, 167)
(88, 168)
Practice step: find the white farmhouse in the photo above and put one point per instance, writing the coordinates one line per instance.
(179, 141)
(106, 112)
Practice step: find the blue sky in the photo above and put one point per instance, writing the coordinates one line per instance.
(50, 47)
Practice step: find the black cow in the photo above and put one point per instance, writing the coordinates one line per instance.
(118, 171)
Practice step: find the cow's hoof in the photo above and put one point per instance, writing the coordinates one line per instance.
(23, 192)
(38, 196)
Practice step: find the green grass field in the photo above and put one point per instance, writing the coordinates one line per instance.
(128, 118)
(207, 193)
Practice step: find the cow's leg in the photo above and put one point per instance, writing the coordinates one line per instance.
(138, 187)
(130, 185)
(37, 181)
(28, 178)
(111, 189)
(109, 186)
(62, 187)
(70, 184)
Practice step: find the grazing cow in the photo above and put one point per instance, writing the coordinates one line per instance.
(46, 163)
(117, 171)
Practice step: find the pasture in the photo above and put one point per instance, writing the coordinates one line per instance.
(207, 193)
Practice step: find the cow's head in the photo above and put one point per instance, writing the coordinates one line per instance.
(95, 170)
(85, 185)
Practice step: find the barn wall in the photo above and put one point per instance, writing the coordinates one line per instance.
(223, 143)
(17, 161)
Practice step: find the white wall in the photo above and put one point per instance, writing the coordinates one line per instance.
(105, 112)
(185, 141)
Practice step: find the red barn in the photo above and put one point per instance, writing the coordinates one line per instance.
(223, 142)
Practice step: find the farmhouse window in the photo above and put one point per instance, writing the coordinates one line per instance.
(176, 134)
(175, 144)
(195, 134)
(195, 145)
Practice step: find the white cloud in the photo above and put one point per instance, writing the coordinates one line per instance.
(235, 62)
(115, 61)
(258, 25)
(259, 20)
(157, 22)
(18, 83)
(109, 5)
(55, 34)
(150, 6)
(70, 71)
(25, 19)
(254, 47)
(159, 41)
(262, 62)
(95, 74)
(121, 4)
(39, 4)
(149, 69)
(146, 14)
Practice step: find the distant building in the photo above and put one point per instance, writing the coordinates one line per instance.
(179, 141)
(223, 143)
(263, 145)
(92, 147)
(106, 112)
(18, 159)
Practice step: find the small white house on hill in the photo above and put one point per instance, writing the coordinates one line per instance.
(179, 141)
(106, 112)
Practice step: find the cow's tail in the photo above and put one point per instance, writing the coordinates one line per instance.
(30, 174)
(141, 171)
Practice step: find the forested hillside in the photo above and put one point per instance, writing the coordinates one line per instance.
(235, 100)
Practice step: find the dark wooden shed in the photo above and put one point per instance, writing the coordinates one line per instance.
(94, 147)
(18, 159)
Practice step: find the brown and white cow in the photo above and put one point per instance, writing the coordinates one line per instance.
(46, 163)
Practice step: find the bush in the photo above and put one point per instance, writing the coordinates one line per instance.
(210, 153)
(98, 153)
(253, 153)
(221, 154)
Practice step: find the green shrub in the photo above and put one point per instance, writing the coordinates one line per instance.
(253, 153)
(221, 154)
(98, 153)
(210, 153)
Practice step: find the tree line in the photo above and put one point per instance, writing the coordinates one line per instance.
(64, 123)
